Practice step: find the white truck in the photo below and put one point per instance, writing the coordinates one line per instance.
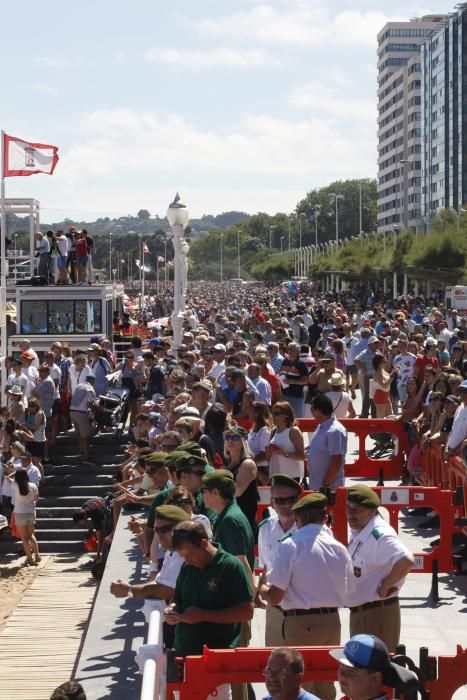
(456, 298)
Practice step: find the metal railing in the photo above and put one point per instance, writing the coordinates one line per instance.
(150, 656)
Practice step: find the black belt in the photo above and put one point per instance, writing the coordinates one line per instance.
(310, 611)
(375, 604)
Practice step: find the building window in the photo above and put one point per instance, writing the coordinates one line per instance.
(61, 317)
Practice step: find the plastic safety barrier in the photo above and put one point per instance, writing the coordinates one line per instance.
(195, 677)
(364, 465)
(396, 499)
(457, 478)
(434, 467)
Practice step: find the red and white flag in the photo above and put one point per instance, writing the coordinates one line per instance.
(26, 158)
(145, 249)
(160, 258)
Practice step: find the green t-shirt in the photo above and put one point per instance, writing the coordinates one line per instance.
(234, 533)
(160, 497)
(221, 584)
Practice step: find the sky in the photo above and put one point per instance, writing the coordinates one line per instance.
(239, 104)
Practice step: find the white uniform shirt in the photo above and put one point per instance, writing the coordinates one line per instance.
(313, 569)
(374, 551)
(270, 535)
(170, 569)
(459, 428)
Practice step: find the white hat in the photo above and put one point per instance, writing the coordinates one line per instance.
(220, 347)
(337, 379)
(15, 390)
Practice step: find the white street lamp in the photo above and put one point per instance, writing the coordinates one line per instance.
(238, 253)
(289, 222)
(337, 197)
(177, 216)
(317, 213)
(300, 217)
(110, 255)
(16, 254)
(271, 229)
(221, 260)
(282, 241)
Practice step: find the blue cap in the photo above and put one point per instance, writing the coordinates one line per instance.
(463, 385)
(363, 651)
(155, 341)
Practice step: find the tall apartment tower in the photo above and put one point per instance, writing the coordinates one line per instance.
(444, 115)
(400, 121)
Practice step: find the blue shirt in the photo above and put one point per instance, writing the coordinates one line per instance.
(330, 439)
(304, 695)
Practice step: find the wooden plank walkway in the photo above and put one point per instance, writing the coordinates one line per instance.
(41, 640)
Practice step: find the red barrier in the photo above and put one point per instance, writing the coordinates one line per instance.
(457, 479)
(365, 466)
(395, 500)
(434, 467)
(202, 674)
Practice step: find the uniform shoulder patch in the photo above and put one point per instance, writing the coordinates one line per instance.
(266, 520)
(286, 537)
(377, 533)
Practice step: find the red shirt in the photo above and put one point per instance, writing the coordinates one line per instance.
(422, 363)
(274, 383)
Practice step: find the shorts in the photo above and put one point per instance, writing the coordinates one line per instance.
(81, 423)
(56, 407)
(61, 262)
(25, 518)
(36, 449)
(380, 397)
(83, 260)
(352, 370)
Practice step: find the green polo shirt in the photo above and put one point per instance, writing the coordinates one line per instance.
(221, 584)
(233, 531)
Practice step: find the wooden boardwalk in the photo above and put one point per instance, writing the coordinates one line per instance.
(41, 640)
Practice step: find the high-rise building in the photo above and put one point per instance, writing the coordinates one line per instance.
(444, 115)
(400, 121)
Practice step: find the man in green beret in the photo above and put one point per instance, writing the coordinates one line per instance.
(380, 564)
(212, 596)
(309, 580)
(163, 587)
(233, 532)
(285, 492)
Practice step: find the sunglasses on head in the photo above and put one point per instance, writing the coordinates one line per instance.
(285, 500)
(163, 529)
(232, 438)
(181, 502)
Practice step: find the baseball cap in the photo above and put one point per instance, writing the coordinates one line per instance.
(372, 339)
(220, 346)
(27, 355)
(463, 385)
(154, 341)
(430, 342)
(452, 399)
(94, 346)
(329, 355)
(367, 651)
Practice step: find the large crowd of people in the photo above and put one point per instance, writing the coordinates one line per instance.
(213, 419)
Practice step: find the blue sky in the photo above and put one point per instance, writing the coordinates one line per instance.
(240, 104)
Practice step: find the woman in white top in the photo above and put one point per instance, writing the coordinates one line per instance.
(285, 452)
(259, 438)
(78, 372)
(6, 491)
(25, 497)
(341, 402)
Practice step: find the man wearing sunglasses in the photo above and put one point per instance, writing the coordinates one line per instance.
(285, 492)
(163, 587)
(283, 676)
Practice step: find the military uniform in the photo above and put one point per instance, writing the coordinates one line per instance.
(374, 551)
(269, 536)
(314, 571)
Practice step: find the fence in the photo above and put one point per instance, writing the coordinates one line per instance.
(195, 677)
(150, 657)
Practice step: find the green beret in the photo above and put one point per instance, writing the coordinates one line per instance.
(187, 462)
(219, 477)
(193, 448)
(173, 513)
(155, 459)
(313, 501)
(363, 496)
(284, 480)
(172, 457)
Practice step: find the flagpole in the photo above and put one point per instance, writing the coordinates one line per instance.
(3, 263)
(157, 274)
(142, 275)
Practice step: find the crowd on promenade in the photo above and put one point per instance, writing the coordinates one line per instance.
(215, 418)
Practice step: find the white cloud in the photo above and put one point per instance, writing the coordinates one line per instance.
(47, 89)
(336, 97)
(213, 58)
(55, 61)
(300, 24)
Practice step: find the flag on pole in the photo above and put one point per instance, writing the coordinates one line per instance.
(26, 158)
(160, 258)
(145, 248)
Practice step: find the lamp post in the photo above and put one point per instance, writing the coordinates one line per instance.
(360, 208)
(238, 252)
(337, 197)
(165, 263)
(300, 217)
(282, 240)
(395, 230)
(317, 212)
(221, 261)
(16, 254)
(289, 223)
(110, 255)
(271, 229)
(403, 218)
(177, 216)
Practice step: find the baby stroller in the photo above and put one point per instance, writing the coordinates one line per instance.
(111, 409)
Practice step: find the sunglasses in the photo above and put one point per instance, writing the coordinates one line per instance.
(232, 438)
(277, 413)
(181, 502)
(168, 446)
(163, 529)
(285, 500)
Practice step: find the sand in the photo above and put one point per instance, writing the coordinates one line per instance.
(15, 579)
